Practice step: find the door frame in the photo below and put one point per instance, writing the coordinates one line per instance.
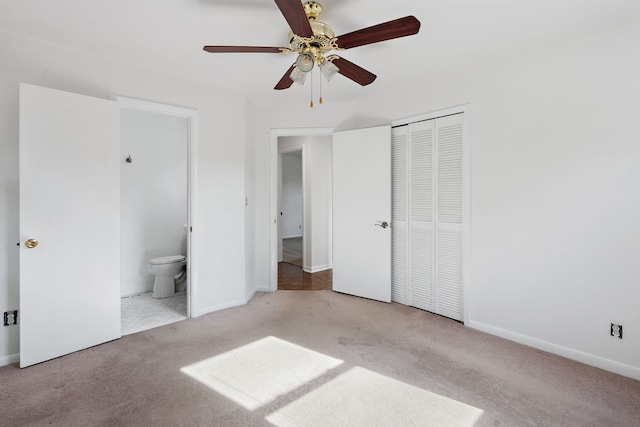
(273, 227)
(192, 142)
(466, 192)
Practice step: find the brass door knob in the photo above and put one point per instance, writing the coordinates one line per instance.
(31, 243)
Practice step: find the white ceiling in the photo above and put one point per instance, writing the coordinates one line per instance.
(169, 35)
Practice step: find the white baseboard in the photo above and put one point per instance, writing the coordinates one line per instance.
(8, 360)
(214, 308)
(292, 236)
(570, 353)
(250, 295)
(318, 268)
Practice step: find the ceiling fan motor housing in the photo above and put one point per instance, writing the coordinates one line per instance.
(323, 35)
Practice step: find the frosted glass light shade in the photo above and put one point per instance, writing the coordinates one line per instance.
(298, 76)
(304, 62)
(328, 69)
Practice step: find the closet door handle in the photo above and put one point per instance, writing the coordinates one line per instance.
(383, 224)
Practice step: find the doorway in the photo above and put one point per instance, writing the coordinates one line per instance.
(314, 148)
(155, 209)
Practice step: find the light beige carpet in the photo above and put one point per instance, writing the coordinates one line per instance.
(360, 397)
(316, 359)
(258, 373)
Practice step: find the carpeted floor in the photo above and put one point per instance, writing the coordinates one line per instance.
(315, 358)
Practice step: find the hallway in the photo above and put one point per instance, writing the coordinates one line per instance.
(293, 278)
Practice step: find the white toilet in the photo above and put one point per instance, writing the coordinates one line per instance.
(170, 272)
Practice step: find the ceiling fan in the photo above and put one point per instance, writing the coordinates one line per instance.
(312, 40)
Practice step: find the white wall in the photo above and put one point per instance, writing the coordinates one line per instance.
(153, 194)
(555, 186)
(218, 219)
(291, 217)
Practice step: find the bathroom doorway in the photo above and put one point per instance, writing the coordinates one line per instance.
(154, 210)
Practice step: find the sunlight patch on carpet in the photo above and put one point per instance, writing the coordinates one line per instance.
(259, 372)
(361, 397)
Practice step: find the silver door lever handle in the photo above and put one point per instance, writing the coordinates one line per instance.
(383, 224)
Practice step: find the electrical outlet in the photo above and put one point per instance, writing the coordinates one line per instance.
(10, 318)
(616, 331)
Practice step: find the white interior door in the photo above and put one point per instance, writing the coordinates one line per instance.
(69, 203)
(362, 212)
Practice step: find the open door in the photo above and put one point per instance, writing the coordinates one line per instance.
(362, 213)
(69, 223)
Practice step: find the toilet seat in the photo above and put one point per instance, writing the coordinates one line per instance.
(167, 260)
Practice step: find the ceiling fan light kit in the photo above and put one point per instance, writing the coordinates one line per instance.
(328, 70)
(312, 40)
(305, 62)
(299, 76)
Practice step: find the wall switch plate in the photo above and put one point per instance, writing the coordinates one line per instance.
(10, 318)
(616, 331)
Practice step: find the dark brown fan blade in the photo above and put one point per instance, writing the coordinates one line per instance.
(241, 49)
(293, 12)
(402, 27)
(354, 72)
(285, 82)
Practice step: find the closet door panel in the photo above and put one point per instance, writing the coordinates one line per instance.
(448, 244)
(421, 202)
(399, 261)
(449, 169)
(421, 273)
(399, 214)
(448, 274)
(421, 171)
(428, 210)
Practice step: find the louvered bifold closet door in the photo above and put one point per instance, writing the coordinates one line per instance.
(421, 215)
(399, 225)
(448, 221)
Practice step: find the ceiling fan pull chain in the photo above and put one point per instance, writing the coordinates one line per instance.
(320, 100)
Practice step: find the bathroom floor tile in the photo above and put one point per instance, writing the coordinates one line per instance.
(142, 312)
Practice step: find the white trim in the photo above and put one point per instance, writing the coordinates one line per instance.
(154, 107)
(466, 212)
(291, 149)
(293, 236)
(318, 268)
(589, 359)
(273, 185)
(214, 308)
(248, 297)
(9, 359)
(431, 115)
(192, 144)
